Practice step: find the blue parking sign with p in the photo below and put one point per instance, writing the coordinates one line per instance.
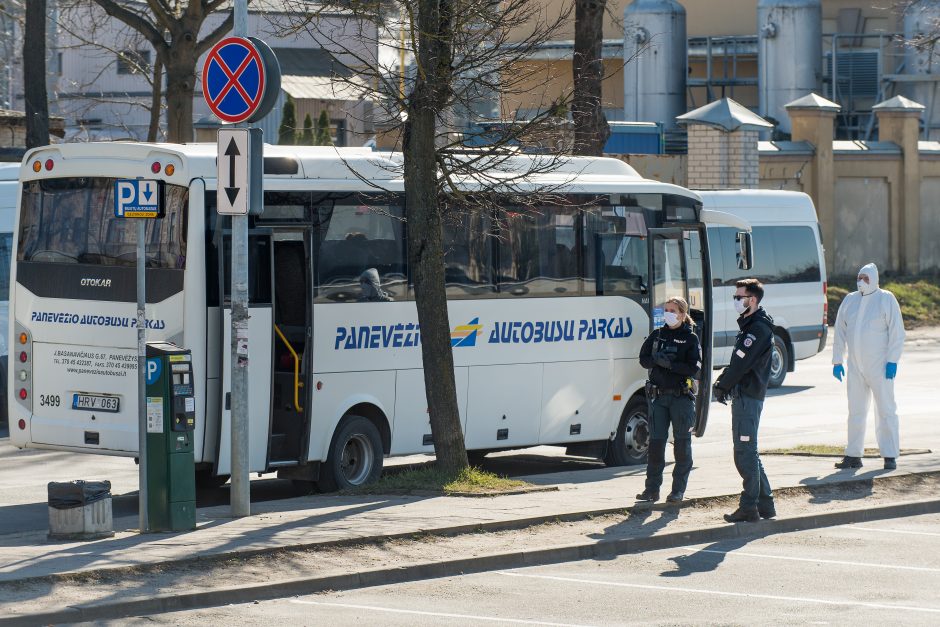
(138, 198)
(153, 371)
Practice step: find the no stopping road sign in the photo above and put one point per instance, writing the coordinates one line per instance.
(240, 79)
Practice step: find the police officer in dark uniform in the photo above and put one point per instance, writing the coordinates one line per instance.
(744, 381)
(673, 356)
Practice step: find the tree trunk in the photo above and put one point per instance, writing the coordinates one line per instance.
(425, 240)
(155, 101)
(590, 124)
(34, 74)
(181, 84)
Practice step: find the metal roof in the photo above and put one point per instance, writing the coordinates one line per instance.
(725, 114)
(899, 103)
(813, 101)
(323, 88)
(785, 147)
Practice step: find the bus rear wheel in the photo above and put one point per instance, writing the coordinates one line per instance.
(632, 442)
(355, 456)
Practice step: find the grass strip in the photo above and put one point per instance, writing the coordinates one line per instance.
(828, 450)
(918, 297)
(429, 479)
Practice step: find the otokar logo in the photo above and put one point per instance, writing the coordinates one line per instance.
(466, 334)
(91, 282)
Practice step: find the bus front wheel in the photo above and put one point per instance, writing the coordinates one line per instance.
(355, 456)
(632, 441)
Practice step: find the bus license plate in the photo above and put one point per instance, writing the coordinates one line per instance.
(93, 402)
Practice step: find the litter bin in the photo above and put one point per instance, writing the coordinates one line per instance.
(80, 510)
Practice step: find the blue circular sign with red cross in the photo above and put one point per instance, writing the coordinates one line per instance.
(233, 79)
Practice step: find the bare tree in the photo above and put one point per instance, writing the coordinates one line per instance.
(590, 124)
(34, 74)
(172, 28)
(466, 53)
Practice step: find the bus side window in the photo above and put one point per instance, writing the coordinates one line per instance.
(354, 239)
(612, 250)
(468, 255)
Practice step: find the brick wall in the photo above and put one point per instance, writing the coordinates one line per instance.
(721, 160)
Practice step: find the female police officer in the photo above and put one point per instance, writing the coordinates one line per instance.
(673, 356)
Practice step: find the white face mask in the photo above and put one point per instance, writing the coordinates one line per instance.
(672, 319)
(739, 306)
(865, 288)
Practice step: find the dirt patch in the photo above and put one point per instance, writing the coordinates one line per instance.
(634, 522)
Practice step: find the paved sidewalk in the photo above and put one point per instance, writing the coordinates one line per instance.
(323, 519)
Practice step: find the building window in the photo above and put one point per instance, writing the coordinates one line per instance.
(133, 61)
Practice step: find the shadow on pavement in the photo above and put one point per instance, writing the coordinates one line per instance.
(841, 485)
(788, 389)
(640, 522)
(704, 560)
(113, 551)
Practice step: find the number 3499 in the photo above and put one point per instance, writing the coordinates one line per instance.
(49, 400)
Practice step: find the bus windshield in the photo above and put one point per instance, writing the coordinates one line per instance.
(71, 220)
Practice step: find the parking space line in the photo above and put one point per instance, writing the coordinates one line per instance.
(901, 531)
(494, 619)
(814, 560)
(747, 595)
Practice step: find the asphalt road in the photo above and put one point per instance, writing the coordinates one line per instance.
(809, 408)
(886, 572)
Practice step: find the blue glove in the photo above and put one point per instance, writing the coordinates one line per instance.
(891, 370)
(838, 372)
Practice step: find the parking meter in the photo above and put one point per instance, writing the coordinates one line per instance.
(171, 418)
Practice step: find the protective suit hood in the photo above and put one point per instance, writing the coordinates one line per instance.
(871, 271)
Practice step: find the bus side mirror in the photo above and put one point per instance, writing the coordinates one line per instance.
(745, 254)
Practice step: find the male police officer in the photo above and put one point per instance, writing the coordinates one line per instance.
(744, 381)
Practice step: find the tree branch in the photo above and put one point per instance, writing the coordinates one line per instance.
(215, 36)
(137, 22)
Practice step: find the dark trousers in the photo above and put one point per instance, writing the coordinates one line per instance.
(678, 411)
(745, 418)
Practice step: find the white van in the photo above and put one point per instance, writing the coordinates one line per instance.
(788, 260)
(8, 195)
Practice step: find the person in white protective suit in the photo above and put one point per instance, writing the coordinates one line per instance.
(869, 324)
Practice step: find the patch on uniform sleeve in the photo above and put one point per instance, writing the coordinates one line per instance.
(739, 353)
(748, 341)
(745, 438)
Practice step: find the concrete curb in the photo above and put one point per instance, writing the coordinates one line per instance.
(585, 550)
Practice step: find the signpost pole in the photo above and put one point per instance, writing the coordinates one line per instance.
(240, 494)
(142, 374)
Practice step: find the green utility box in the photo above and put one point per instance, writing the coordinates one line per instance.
(171, 418)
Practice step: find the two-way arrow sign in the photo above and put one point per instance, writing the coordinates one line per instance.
(239, 170)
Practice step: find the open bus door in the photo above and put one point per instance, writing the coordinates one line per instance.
(679, 267)
(260, 351)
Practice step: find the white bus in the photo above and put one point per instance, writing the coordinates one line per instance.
(9, 192)
(789, 260)
(548, 316)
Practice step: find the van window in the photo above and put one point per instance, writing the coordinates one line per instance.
(782, 254)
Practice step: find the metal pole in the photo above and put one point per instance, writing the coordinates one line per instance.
(240, 492)
(142, 373)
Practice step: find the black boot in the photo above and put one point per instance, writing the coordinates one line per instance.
(766, 510)
(648, 495)
(890, 464)
(674, 497)
(849, 462)
(743, 514)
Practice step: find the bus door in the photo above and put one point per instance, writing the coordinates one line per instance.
(293, 321)
(679, 267)
(259, 351)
